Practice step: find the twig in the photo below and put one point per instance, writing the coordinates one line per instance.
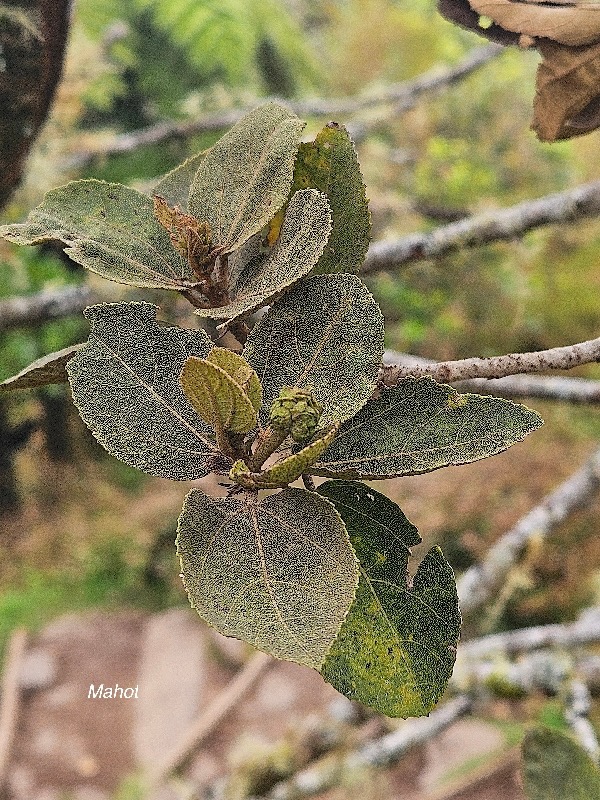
(9, 701)
(403, 95)
(44, 306)
(212, 716)
(586, 630)
(480, 581)
(579, 703)
(334, 769)
(493, 226)
(545, 387)
(567, 357)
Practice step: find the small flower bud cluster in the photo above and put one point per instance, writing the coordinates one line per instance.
(295, 412)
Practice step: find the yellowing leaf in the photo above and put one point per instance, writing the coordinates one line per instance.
(396, 648)
(279, 573)
(288, 469)
(241, 372)
(216, 397)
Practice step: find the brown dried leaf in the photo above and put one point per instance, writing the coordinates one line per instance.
(567, 34)
(567, 101)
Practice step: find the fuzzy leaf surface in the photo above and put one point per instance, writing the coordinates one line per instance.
(556, 767)
(396, 648)
(246, 176)
(258, 275)
(109, 229)
(125, 384)
(279, 573)
(325, 336)
(43, 371)
(288, 469)
(330, 165)
(241, 372)
(175, 185)
(421, 425)
(217, 398)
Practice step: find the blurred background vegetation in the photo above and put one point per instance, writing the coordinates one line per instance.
(80, 529)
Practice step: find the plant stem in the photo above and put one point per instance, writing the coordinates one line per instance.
(266, 444)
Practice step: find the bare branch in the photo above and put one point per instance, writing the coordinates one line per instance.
(545, 387)
(567, 357)
(44, 306)
(493, 226)
(10, 699)
(579, 704)
(586, 630)
(334, 768)
(480, 581)
(402, 95)
(222, 705)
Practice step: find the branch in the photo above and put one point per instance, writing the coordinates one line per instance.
(44, 306)
(402, 95)
(579, 704)
(492, 226)
(336, 768)
(222, 705)
(570, 390)
(568, 357)
(481, 581)
(9, 704)
(586, 630)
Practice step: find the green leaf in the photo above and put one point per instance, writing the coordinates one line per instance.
(246, 176)
(555, 767)
(258, 275)
(421, 425)
(111, 230)
(396, 649)
(241, 372)
(125, 384)
(330, 165)
(217, 398)
(279, 573)
(285, 471)
(174, 187)
(42, 372)
(326, 336)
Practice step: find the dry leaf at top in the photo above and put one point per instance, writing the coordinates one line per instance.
(567, 34)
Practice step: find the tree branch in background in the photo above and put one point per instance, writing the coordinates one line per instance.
(545, 387)
(44, 306)
(480, 582)
(403, 96)
(573, 355)
(335, 768)
(579, 704)
(33, 34)
(492, 226)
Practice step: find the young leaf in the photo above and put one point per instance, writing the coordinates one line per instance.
(328, 332)
(241, 372)
(125, 384)
(175, 185)
(257, 276)
(279, 573)
(555, 767)
(421, 425)
(111, 230)
(42, 372)
(246, 176)
(218, 399)
(330, 165)
(285, 471)
(396, 648)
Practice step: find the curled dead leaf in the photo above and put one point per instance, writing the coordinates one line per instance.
(567, 35)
